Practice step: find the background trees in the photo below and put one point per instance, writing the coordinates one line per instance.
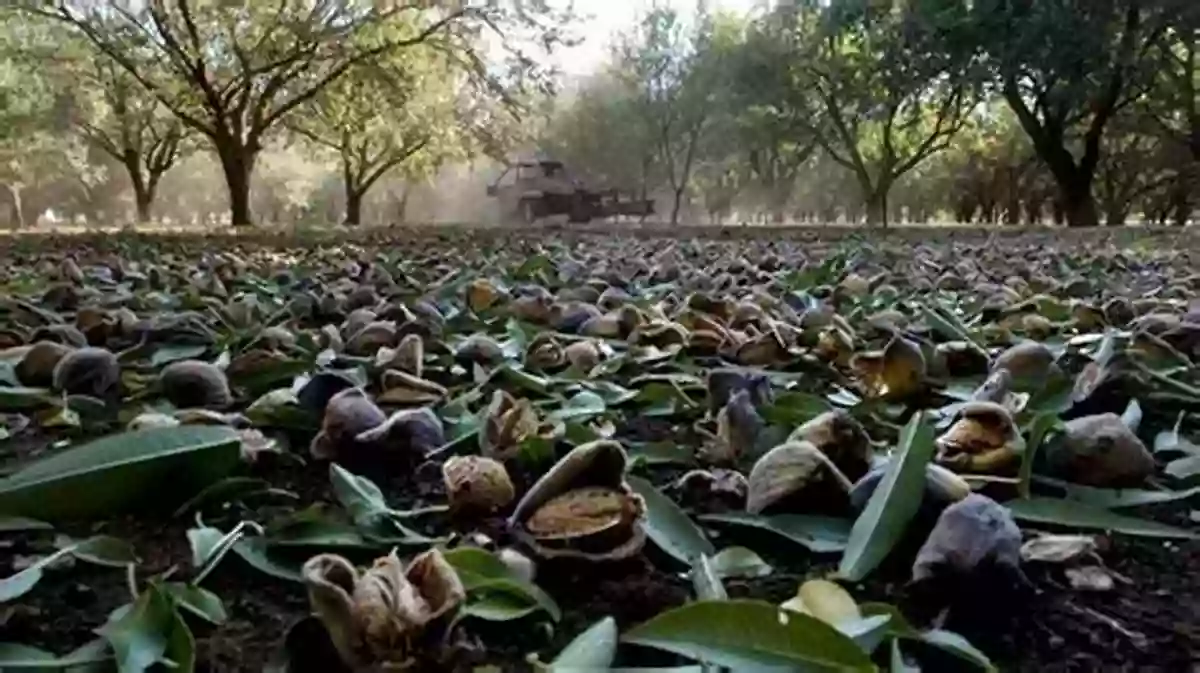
(234, 73)
(1001, 112)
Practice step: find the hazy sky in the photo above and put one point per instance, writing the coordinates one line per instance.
(603, 18)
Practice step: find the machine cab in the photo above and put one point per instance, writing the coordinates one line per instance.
(528, 175)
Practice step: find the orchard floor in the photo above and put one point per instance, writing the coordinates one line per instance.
(1150, 621)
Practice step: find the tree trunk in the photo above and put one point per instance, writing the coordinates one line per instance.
(143, 190)
(677, 203)
(1181, 202)
(354, 202)
(17, 209)
(1078, 205)
(877, 207)
(1115, 214)
(237, 163)
(143, 200)
(402, 204)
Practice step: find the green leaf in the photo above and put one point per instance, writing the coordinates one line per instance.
(120, 473)
(663, 399)
(167, 354)
(795, 408)
(1038, 430)
(892, 505)
(272, 375)
(499, 607)
(484, 573)
(1074, 514)
(203, 541)
(1170, 441)
(139, 635)
(947, 641)
(366, 505)
(207, 550)
(25, 399)
(951, 642)
(1132, 416)
(522, 379)
(1184, 469)
(280, 408)
(20, 524)
(317, 530)
(869, 632)
(706, 582)
(593, 650)
(820, 534)
(1115, 498)
(180, 654)
(197, 600)
(656, 453)
(581, 406)
(750, 635)
(739, 562)
(612, 393)
(21, 583)
(946, 324)
(1053, 396)
(103, 550)
(361, 498)
(669, 526)
(15, 657)
(254, 551)
(90, 657)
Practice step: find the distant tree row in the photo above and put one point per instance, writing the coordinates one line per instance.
(997, 111)
(137, 86)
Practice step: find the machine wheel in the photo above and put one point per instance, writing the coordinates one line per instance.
(580, 213)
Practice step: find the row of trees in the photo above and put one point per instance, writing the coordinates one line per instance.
(139, 85)
(985, 110)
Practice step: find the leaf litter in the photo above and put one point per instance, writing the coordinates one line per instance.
(620, 390)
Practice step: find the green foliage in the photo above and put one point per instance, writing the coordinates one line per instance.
(122, 472)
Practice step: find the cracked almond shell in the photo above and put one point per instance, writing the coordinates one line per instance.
(477, 484)
(582, 508)
(583, 355)
(841, 437)
(893, 373)
(738, 427)
(983, 439)
(386, 615)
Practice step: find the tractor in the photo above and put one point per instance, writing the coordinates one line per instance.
(530, 190)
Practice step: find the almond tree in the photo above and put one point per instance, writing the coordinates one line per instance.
(36, 146)
(115, 115)
(234, 72)
(1067, 68)
(883, 85)
(670, 69)
(397, 114)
